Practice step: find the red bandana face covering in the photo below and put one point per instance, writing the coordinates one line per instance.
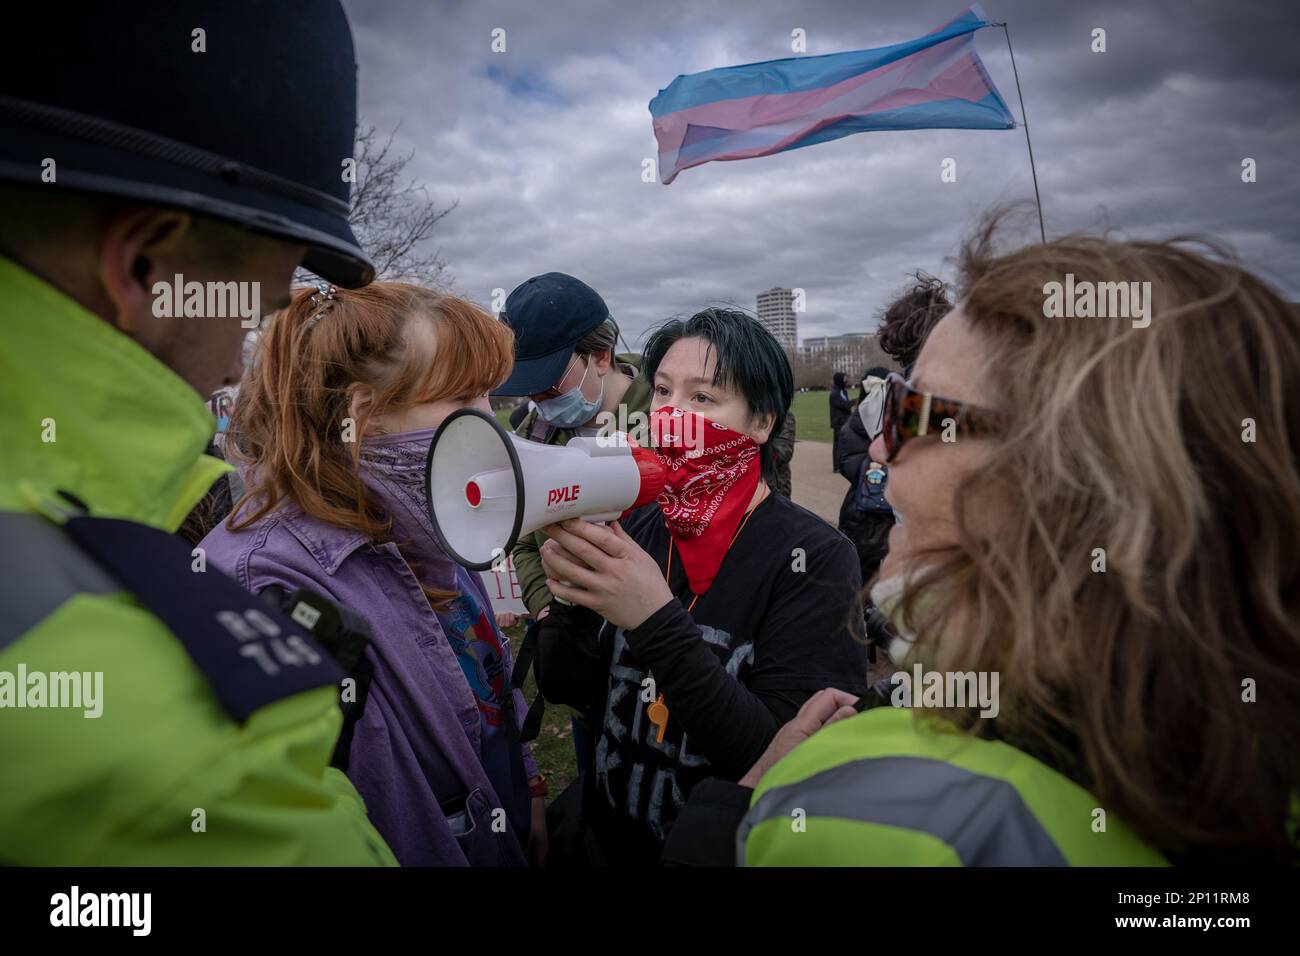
(712, 475)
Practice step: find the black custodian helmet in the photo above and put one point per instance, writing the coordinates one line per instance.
(253, 130)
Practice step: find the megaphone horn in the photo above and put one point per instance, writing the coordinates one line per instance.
(486, 487)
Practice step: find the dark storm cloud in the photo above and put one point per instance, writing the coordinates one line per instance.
(543, 144)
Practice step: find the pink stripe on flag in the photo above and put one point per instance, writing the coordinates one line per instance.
(922, 77)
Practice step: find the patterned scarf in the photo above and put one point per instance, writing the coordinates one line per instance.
(393, 467)
(713, 472)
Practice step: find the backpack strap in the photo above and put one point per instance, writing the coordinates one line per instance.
(523, 662)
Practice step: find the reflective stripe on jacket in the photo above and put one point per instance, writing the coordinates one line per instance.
(880, 789)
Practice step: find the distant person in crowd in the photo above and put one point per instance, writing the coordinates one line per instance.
(783, 454)
(841, 407)
(865, 515)
(565, 362)
(906, 322)
(214, 506)
(910, 317)
(1131, 577)
(333, 428)
(701, 623)
(105, 428)
(222, 402)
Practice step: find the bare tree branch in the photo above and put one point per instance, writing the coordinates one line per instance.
(393, 215)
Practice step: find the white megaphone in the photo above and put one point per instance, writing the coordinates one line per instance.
(486, 487)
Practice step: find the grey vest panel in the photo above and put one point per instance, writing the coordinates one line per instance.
(40, 569)
(982, 818)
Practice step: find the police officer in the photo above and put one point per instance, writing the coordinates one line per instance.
(159, 184)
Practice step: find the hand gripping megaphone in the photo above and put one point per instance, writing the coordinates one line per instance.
(486, 487)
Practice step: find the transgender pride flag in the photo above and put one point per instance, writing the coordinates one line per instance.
(735, 112)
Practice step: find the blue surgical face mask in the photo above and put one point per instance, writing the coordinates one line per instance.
(572, 409)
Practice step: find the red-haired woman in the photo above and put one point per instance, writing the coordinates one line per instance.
(332, 428)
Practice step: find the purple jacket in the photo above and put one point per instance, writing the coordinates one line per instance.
(418, 740)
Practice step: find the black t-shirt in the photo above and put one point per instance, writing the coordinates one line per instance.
(781, 621)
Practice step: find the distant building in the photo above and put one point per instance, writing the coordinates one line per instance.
(851, 353)
(776, 313)
(833, 343)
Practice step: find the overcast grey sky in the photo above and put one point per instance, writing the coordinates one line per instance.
(543, 144)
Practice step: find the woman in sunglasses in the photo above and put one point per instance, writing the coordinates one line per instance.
(1082, 518)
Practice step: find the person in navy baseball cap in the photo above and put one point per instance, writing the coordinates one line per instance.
(549, 314)
(565, 361)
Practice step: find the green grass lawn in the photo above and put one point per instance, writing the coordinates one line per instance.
(812, 416)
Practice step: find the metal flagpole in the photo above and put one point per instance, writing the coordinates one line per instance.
(1025, 122)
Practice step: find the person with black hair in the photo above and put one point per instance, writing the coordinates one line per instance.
(701, 623)
(841, 408)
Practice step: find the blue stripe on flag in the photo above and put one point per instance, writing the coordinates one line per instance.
(797, 74)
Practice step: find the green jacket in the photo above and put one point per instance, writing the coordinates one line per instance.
(879, 790)
(163, 776)
(526, 554)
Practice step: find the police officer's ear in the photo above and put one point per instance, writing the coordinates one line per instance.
(138, 246)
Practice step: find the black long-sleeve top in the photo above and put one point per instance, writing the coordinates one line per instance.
(780, 622)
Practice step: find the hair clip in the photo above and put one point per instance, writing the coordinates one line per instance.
(327, 290)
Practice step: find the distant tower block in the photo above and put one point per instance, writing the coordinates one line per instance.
(776, 313)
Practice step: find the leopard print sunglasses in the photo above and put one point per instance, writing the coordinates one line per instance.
(910, 413)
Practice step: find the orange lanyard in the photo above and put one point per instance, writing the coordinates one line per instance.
(657, 711)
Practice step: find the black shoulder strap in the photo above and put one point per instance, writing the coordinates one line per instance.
(523, 661)
(250, 653)
(518, 810)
